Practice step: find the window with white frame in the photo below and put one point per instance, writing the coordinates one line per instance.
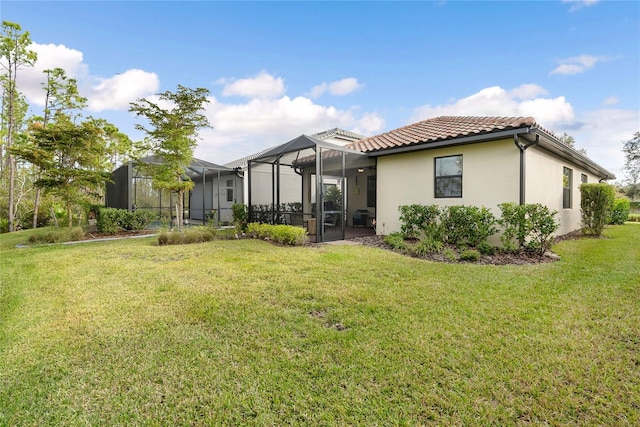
(229, 190)
(448, 176)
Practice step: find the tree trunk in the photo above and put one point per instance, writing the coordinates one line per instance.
(69, 215)
(36, 207)
(180, 212)
(12, 172)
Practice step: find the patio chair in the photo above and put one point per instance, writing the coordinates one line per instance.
(331, 220)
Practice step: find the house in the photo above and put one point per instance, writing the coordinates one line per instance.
(215, 190)
(480, 161)
(290, 182)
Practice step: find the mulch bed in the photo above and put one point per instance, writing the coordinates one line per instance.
(500, 258)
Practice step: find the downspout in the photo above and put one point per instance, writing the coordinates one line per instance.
(204, 196)
(278, 213)
(523, 148)
(219, 215)
(249, 191)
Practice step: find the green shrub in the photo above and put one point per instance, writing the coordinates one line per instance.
(57, 235)
(620, 213)
(450, 255)
(289, 235)
(138, 220)
(596, 205)
(514, 225)
(240, 217)
(470, 255)
(280, 233)
(530, 225)
(418, 220)
(4, 225)
(486, 249)
(257, 230)
(467, 224)
(396, 241)
(187, 235)
(163, 237)
(426, 247)
(541, 224)
(110, 220)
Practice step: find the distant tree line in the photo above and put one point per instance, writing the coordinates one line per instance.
(59, 162)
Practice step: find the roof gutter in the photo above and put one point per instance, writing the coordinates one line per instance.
(551, 143)
(451, 142)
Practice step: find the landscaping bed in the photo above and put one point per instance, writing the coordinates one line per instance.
(499, 258)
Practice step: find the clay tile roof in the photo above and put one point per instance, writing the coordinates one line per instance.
(439, 129)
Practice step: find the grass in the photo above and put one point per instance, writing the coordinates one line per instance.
(248, 333)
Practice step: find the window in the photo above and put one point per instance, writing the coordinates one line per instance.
(229, 190)
(584, 179)
(448, 176)
(567, 179)
(371, 191)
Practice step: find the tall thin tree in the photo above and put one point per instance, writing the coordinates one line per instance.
(14, 55)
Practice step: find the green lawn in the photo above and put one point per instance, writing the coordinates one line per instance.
(247, 333)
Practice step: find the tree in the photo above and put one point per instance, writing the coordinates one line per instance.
(571, 142)
(22, 181)
(14, 54)
(70, 157)
(119, 146)
(172, 136)
(61, 97)
(631, 150)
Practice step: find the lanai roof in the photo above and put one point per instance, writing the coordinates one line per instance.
(195, 168)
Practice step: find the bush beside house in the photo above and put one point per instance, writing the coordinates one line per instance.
(432, 229)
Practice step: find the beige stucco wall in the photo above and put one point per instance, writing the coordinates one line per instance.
(491, 174)
(544, 185)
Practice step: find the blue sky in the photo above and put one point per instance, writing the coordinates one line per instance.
(279, 69)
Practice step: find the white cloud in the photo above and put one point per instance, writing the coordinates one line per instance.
(579, 4)
(113, 93)
(338, 87)
(263, 85)
(369, 124)
(600, 132)
(50, 56)
(612, 100)
(577, 64)
(528, 91)
(496, 101)
(240, 129)
(117, 92)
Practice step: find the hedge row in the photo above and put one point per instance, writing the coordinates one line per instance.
(111, 220)
(529, 226)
